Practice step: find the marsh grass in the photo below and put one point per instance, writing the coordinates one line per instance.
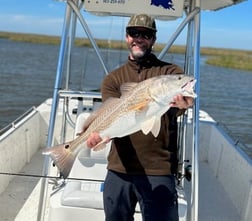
(239, 61)
(229, 58)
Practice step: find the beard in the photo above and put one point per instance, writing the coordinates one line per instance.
(140, 53)
(137, 54)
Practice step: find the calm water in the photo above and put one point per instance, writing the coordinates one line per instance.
(27, 74)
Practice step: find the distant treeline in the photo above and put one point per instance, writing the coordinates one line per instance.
(229, 58)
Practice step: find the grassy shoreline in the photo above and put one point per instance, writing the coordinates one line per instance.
(229, 58)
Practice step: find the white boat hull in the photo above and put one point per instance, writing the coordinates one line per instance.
(224, 181)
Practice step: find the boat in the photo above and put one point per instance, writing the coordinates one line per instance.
(215, 175)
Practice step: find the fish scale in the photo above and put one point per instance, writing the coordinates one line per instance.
(123, 106)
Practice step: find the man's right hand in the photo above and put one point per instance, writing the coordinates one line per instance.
(93, 139)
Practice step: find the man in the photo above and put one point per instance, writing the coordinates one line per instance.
(141, 167)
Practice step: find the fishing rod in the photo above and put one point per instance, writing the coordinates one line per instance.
(48, 177)
(58, 182)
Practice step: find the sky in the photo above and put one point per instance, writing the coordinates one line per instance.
(230, 27)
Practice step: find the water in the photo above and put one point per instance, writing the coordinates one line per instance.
(27, 75)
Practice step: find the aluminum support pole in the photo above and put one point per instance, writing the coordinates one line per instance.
(195, 163)
(177, 32)
(58, 80)
(88, 32)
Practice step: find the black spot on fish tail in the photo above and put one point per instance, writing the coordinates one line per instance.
(62, 157)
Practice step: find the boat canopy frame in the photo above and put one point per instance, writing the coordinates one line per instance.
(192, 10)
(73, 11)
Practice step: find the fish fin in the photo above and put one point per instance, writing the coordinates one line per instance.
(156, 127)
(101, 145)
(127, 87)
(139, 106)
(152, 125)
(62, 157)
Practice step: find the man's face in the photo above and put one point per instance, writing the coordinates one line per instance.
(139, 42)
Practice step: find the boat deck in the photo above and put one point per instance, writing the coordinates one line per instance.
(20, 188)
(214, 204)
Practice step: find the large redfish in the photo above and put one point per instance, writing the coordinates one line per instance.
(139, 108)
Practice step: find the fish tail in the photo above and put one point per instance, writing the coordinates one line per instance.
(62, 157)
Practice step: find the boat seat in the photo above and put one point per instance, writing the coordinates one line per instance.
(86, 194)
(86, 152)
(90, 166)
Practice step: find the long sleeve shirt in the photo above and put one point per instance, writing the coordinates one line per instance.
(141, 154)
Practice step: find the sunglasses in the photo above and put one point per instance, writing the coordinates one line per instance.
(134, 33)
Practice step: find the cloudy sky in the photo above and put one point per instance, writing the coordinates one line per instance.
(230, 27)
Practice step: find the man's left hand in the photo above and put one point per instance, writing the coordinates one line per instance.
(182, 102)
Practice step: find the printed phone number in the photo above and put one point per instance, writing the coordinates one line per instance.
(114, 1)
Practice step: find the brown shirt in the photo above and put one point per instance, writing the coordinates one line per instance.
(141, 154)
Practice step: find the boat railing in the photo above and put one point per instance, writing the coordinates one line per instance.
(78, 94)
(17, 122)
(236, 141)
(86, 102)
